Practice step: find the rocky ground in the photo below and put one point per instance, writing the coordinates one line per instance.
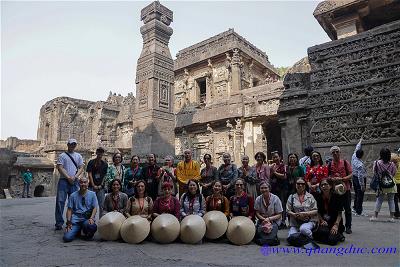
(28, 239)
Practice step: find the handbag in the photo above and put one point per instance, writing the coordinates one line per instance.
(374, 184)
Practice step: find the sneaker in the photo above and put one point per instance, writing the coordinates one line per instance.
(58, 227)
(353, 210)
(364, 214)
(348, 231)
(373, 219)
(355, 214)
(391, 220)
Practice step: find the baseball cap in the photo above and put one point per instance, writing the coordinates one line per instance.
(72, 141)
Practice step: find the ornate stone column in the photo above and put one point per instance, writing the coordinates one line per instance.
(154, 121)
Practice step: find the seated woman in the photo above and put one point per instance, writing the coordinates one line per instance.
(132, 175)
(330, 207)
(217, 201)
(116, 200)
(302, 210)
(192, 202)
(140, 203)
(166, 203)
(268, 209)
(241, 204)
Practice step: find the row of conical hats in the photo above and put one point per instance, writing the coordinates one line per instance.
(166, 228)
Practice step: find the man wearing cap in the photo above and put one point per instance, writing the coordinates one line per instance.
(70, 167)
(186, 170)
(97, 170)
(340, 171)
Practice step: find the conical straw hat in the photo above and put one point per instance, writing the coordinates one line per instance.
(135, 229)
(216, 224)
(241, 230)
(165, 228)
(110, 224)
(193, 229)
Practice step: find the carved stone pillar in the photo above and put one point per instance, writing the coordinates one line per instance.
(236, 72)
(154, 120)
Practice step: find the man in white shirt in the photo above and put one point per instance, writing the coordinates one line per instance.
(70, 167)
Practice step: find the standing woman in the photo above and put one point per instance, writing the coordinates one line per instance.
(140, 203)
(279, 183)
(132, 175)
(315, 172)
(115, 171)
(208, 175)
(293, 171)
(151, 174)
(217, 201)
(268, 209)
(192, 202)
(330, 207)
(227, 174)
(249, 175)
(262, 168)
(241, 204)
(385, 167)
(166, 203)
(116, 200)
(302, 211)
(168, 174)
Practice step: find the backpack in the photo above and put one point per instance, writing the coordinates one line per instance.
(386, 179)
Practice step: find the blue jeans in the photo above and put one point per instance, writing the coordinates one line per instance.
(26, 189)
(88, 230)
(64, 190)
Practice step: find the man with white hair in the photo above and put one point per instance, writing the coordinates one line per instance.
(186, 170)
(340, 171)
(81, 213)
(70, 167)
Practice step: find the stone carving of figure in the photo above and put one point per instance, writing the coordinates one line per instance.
(209, 128)
(229, 124)
(209, 63)
(238, 124)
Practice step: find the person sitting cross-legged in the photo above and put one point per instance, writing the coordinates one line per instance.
(82, 208)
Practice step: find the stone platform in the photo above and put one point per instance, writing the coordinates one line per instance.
(28, 239)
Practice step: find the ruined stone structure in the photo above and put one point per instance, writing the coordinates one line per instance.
(226, 98)
(154, 120)
(351, 86)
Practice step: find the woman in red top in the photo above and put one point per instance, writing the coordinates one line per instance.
(167, 203)
(315, 172)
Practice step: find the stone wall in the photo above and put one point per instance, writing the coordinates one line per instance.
(351, 91)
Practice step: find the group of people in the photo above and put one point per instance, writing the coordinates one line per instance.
(309, 194)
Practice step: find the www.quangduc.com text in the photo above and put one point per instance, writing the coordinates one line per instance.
(337, 251)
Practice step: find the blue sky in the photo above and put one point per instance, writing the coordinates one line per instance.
(85, 49)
